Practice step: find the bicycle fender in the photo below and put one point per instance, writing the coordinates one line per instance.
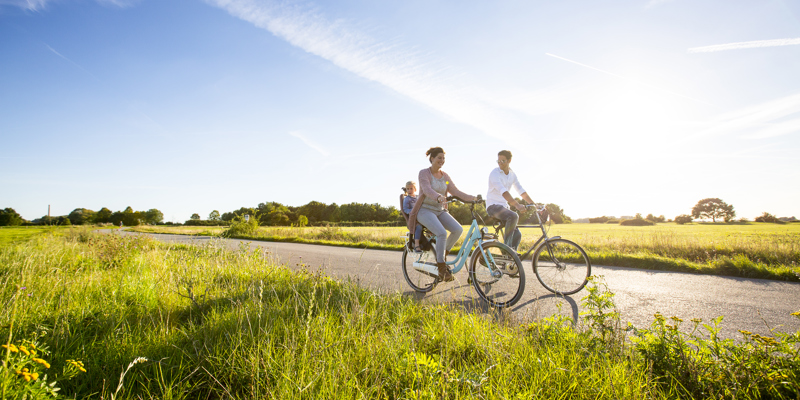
(553, 238)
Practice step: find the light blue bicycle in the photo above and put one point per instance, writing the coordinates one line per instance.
(495, 269)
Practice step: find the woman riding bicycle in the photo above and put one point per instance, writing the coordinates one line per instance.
(431, 211)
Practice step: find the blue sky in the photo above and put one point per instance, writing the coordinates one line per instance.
(610, 108)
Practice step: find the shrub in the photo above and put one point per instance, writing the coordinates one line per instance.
(683, 219)
(599, 220)
(636, 222)
(242, 226)
(203, 222)
(767, 217)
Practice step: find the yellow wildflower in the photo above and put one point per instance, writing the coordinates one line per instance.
(24, 350)
(11, 347)
(40, 361)
(28, 376)
(796, 314)
(77, 364)
(676, 319)
(746, 333)
(697, 320)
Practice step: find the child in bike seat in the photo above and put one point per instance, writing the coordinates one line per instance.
(408, 205)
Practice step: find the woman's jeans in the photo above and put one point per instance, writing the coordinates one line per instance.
(512, 234)
(439, 223)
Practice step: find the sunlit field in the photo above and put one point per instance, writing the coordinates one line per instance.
(16, 234)
(87, 315)
(759, 250)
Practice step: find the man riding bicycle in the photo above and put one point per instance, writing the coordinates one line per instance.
(498, 199)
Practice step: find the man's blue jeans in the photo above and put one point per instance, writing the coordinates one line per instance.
(512, 234)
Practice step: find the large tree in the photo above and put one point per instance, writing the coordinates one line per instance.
(153, 216)
(81, 216)
(9, 217)
(713, 208)
(103, 215)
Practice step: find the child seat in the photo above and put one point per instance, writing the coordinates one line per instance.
(424, 243)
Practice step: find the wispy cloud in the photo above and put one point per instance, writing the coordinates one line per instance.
(630, 80)
(390, 63)
(32, 5)
(308, 142)
(69, 61)
(654, 3)
(745, 45)
(765, 120)
(37, 5)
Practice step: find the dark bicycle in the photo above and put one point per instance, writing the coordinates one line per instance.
(561, 266)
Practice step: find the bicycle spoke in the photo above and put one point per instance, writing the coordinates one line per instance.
(562, 266)
(498, 279)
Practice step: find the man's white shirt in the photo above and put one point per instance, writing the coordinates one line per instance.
(500, 183)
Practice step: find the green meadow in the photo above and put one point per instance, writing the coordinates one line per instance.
(93, 316)
(754, 250)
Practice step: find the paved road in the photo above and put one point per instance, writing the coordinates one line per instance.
(754, 305)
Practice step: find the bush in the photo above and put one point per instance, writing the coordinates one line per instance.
(636, 222)
(599, 220)
(683, 219)
(242, 226)
(202, 222)
(359, 223)
(767, 217)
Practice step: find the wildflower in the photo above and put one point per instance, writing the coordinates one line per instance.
(676, 319)
(746, 333)
(796, 314)
(40, 361)
(11, 347)
(697, 320)
(27, 375)
(77, 364)
(24, 350)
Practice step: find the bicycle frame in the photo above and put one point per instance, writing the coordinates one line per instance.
(474, 239)
(542, 239)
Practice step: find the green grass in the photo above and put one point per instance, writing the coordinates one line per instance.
(753, 250)
(183, 322)
(17, 234)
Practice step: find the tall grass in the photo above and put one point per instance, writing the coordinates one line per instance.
(150, 320)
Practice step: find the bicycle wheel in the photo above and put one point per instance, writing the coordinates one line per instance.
(420, 280)
(561, 266)
(501, 281)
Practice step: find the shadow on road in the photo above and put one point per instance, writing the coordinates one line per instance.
(572, 303)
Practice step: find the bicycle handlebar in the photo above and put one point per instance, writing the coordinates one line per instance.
(478, 200)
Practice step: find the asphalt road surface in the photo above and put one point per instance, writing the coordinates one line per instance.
(755, 305)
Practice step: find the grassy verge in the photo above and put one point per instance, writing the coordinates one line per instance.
(754, 250)
(128, 317)
(17, 234)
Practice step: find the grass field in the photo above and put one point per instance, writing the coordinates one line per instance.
(17, 234)
(123, 317)
(756, 250)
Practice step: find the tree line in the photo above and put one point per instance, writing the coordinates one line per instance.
(314, 213)
(85, 216)
(317, 213)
